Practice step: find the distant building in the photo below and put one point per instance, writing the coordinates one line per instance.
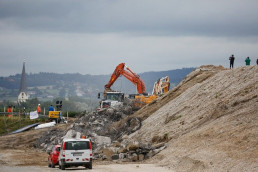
(23, 96)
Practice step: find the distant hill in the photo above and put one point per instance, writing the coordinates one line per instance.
(48, 85)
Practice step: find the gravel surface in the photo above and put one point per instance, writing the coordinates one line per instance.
(98, 168)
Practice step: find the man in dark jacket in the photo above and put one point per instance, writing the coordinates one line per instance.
(247, 61)
(231, 59)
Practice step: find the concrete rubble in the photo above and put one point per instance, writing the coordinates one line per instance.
(108, 143)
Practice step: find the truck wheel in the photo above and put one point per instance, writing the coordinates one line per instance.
(52, 164)
(62, 167)
(90, 165)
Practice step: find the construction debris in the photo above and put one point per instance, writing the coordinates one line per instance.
(25, 128)
(97, 126)
(46, 125)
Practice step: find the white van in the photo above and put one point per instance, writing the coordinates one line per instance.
(75, 152)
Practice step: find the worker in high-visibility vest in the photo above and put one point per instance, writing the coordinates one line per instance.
(38, 109)
(10, 110)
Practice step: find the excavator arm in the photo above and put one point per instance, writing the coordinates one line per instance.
(128, 74)
(117, 72)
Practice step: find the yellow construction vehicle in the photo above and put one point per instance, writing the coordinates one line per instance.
(161, 86)
(56, 115)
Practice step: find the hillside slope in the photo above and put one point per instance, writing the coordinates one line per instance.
(88, 85)
(210, 119)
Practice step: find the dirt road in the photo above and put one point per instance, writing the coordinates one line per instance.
(30, 160)
(97, 168)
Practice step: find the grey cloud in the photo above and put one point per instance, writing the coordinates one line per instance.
(177, 18)
(93, 36)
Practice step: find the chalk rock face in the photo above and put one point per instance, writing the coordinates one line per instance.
(72, 134)
(102, 140)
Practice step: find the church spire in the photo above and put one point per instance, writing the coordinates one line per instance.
(23, 86)
(23, 96)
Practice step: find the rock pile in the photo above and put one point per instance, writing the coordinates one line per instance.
(97, 123)
(49, 138)
(129, 150)
(108, 143)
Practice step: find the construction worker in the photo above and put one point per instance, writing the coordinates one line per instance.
(51, 108)
(9, 110)
(232, 59)
(83, 137)
(247, 61)
(38, 109)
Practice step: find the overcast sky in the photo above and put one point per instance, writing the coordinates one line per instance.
(94, 36)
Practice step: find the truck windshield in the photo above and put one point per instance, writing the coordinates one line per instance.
(112, 96)
(77, 145)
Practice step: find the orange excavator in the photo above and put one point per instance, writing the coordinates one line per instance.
(111, 98)
(128, 74)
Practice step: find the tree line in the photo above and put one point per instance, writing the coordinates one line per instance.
(93, 81)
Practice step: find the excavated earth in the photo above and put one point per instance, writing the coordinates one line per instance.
(206, 123)
(209, 121)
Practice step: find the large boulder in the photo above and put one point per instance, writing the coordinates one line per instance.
(128, 110)
(102, 140)
(72, 134)
(115, 157)
(110, 111)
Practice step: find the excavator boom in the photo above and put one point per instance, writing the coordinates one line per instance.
(117, 72)
(128, 74)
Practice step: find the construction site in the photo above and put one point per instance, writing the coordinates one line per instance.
(208, 122)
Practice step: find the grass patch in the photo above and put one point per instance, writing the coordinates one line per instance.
(176, 117)
(8, 125)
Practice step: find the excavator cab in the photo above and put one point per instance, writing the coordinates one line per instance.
(111, 99)
(117, 96)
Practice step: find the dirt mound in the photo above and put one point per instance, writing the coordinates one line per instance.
(210, 120)
(197, 76)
